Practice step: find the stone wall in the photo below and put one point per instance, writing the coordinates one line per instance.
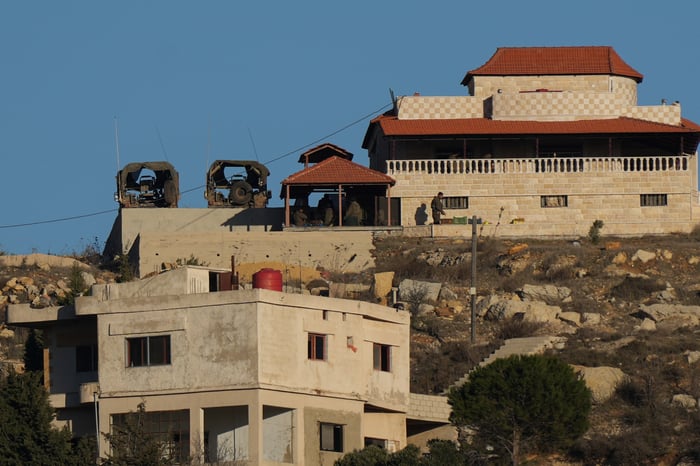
(510, 203)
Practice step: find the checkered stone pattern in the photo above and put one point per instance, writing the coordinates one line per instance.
(429, 108)
(556, 106)
(625, 89)
(666, 114)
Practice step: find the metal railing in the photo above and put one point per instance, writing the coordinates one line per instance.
(650, 163)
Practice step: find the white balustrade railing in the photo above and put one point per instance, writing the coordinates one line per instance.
(651, 163)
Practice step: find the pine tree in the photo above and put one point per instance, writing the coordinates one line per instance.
(132, 445)
(26, 434)
(535, 402)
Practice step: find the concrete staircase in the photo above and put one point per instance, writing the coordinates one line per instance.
(525, 346)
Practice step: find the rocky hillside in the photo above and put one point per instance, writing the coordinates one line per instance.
(624, 312)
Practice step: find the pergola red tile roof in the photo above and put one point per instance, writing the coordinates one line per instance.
(322, 152)
(533, 61)
(336, 170)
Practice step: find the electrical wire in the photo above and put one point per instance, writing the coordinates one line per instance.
(286, 154)
(63, 219)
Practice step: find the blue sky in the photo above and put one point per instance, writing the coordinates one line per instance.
(191, 82)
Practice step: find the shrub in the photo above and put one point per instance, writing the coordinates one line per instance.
(516, 327)
(636, 288)
(594, 231)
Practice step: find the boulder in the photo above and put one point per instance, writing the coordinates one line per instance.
(447, 294)
(590, 318)
(26, 281)
(546, 293)
(6, 333)
(670, 316)
(647, 325)
(682, 400)
(573, 318)
(532, 311)
(643, 256)
(412, 290)
(602, 381)
(692, 356)
(620, 258)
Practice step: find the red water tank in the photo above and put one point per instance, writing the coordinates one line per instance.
(268, 279)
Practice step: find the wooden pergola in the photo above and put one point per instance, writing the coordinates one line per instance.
(339, 176)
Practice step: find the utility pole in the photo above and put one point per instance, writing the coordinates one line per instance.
(474, 221)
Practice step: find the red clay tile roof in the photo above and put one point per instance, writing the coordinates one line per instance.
(533, 61)
(336, 170)
(322, 152)
(391, 126)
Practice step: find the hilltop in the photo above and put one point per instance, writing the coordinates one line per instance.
(628, 305)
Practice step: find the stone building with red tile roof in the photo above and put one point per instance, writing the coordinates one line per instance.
(548, 140)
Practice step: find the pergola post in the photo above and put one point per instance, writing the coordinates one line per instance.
(286, 208)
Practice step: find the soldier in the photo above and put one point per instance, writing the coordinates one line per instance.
(437, 208)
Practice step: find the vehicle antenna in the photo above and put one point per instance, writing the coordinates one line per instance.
(162, 146)
(116, 141)
(208, 141)
(255, 151)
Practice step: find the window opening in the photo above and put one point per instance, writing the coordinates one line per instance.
(554, 201)
(148, 351)
(331, 437)
(653, 200)
(382, 357)
(317, 346)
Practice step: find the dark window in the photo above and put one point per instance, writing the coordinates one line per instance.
(317, 346)
(653, 200)
(86, 358)
(554, 201)
(455, 202)
(382, 357)
(331, 437)
(380, 442)
(148, 351)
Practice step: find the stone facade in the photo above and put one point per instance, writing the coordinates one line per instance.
(508, 197)
(544, 180)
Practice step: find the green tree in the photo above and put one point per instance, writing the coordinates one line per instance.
(442, 453)
(26, 434)
(77, 285)
(522, 403)
(133, 445)
(371, 455)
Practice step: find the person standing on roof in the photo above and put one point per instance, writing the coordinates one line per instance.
(437, 208)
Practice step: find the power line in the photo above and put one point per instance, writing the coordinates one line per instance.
(384, 107)
(63, 219)
(93, 214)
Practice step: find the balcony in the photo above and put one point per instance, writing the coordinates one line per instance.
(650, 163)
